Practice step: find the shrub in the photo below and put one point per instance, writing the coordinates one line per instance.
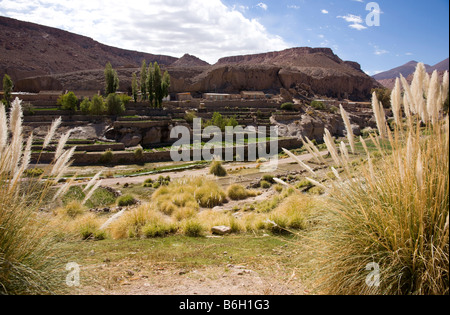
(34, 172)
(287, 106)
(193, 228)
(114, 105)
(106, 157)
(97, 106)
(139, 154)
(268, 178)
(190, 116)
(126, 200)
(125, 99)
(68, 101)
(217, 169)
(132, 223)
(85, 106)
(237, 192)
(158, 228)
(316, 191)
(317, 105)
(265, 184)
(209, 196)
(73, 209)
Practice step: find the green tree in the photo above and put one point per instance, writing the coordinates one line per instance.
(114, 105)
(384, 96)
(8, 86)
(98, 106)
(112, 80)
(144, 80)
(165, 85)
(68, 101)
(85, 106)
(134, 87)
(150, 84)
(157, 85)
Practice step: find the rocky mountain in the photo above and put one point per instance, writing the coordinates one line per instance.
(43, 58)
(28, 49)
(387, 78)
(190, 61)
(441, 66)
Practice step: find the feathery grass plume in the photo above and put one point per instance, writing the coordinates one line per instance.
(92, 181)
(409, 97)
(396, 102)
(344, 152)
(419, 170)
(418, 91)
(30, 260)
(91, 192)
(329, 141)
(62, 143)
(281, 182)
(445, 86)
(62, 164)
(300, 162)
(406, 108)
(15, 118)
(310, 150)
(417, 84)
(426, 82)
(348, 126)
(396, 218)
(65, 188)
(380, 116)
(316, 183)
(15, 124)
(315, 150)
(3, 127)
(434, 104)
(48, 138)
(369, 159)
(27, 153)
(336, 173)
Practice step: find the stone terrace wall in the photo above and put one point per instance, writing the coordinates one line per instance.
(90, 158)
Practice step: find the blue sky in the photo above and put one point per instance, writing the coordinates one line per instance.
(409, 30)
(211, 29)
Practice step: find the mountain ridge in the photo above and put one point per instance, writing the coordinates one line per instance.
(42, 58)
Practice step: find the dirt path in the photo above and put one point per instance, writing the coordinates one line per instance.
(282, 169)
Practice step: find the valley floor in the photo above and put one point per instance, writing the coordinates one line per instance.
(233, 265)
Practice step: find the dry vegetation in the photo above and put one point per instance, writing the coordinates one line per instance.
(383, 201)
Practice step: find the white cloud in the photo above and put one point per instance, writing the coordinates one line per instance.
(208, 29)
(324, 11)
(378, 51)
(356, 21)
(293, 6)
(263, 6)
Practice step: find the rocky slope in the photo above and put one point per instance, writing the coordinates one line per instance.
(387, 78)
(43, 58)
(28, 49)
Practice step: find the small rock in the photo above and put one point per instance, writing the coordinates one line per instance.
(130, 273)
(221, 230)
